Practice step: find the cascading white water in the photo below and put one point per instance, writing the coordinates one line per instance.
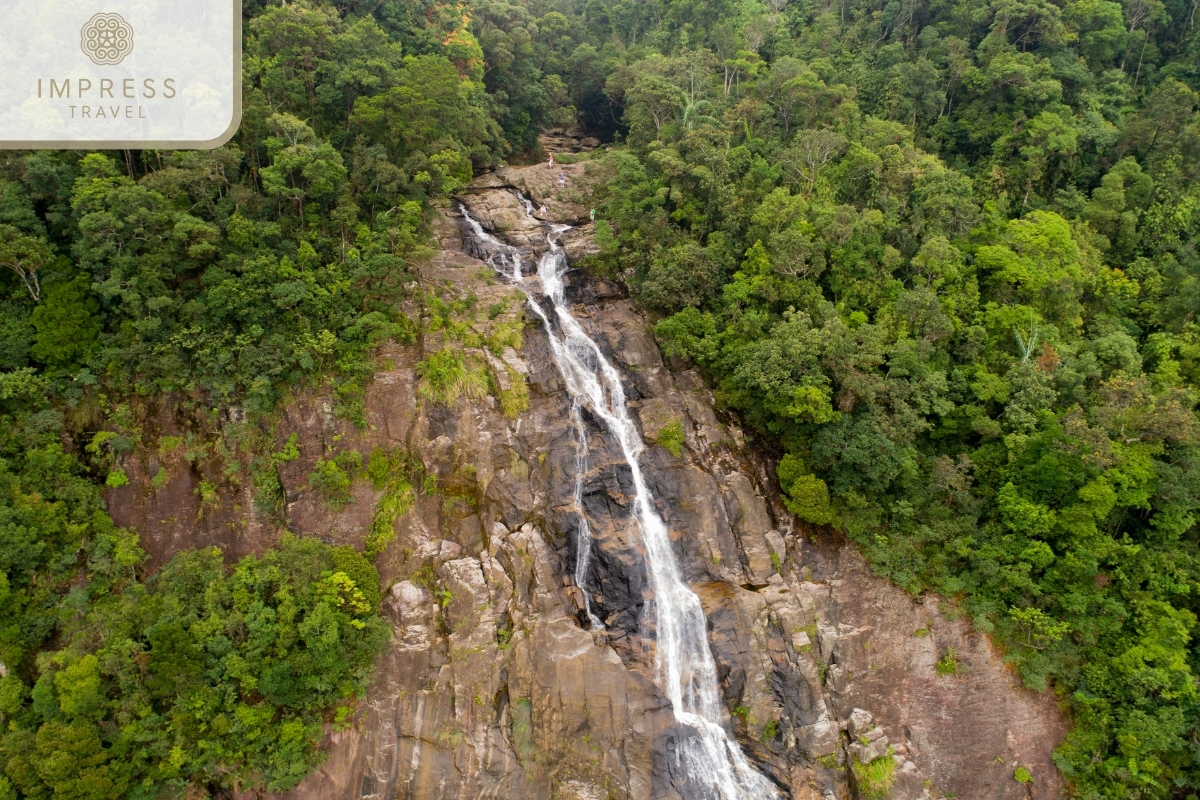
(710, 759)
(583, 532)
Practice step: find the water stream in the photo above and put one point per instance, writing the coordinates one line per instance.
(705, 753)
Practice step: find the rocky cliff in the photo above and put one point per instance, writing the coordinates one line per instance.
(837, 684)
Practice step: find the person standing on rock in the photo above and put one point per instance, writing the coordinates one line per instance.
(552, 161)
(562, 180)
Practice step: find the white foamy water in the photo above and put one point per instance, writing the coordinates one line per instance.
(710, 758)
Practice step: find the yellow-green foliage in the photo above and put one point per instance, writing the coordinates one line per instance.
(874, 780)
(672, 438)
(297, 592)
(207, 492)
(447, 375)
(333, 478)
(515, 399)
(505, 334)
(396, 502)
(289, 452)
(452, 317)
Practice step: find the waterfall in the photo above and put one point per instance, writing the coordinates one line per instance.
(583, 530)
(712, 761)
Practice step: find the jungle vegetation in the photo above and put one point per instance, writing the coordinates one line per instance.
(940, 257)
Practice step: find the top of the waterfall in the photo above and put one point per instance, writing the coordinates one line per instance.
(97, 74)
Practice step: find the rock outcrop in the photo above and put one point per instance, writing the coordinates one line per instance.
(494, 685)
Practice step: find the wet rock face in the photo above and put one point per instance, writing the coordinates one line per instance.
(494, 685)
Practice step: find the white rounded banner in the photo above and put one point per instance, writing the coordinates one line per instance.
(96, 74)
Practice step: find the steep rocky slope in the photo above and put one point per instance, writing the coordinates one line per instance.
(493, 685)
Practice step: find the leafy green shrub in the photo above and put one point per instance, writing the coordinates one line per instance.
(334, 477)
(289, 452)
(160, 479)
(685, 275)
(358, 568)
(207, 492)
(1022, 775)
(806, 495)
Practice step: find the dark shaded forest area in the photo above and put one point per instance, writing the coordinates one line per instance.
(940, 256)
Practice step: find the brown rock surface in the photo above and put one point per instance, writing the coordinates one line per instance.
(965, 733)
(569, 140)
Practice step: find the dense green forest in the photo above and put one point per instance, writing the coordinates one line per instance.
(939, 255)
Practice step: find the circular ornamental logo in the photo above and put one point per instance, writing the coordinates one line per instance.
(106, 39)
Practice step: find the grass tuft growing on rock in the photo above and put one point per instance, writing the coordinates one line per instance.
(505, 334)
(522, 730)
(874, 780)
(949, 663)
(447, 375)
(514, 399)
(672, 438)
(828, 761)
(393, 470)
